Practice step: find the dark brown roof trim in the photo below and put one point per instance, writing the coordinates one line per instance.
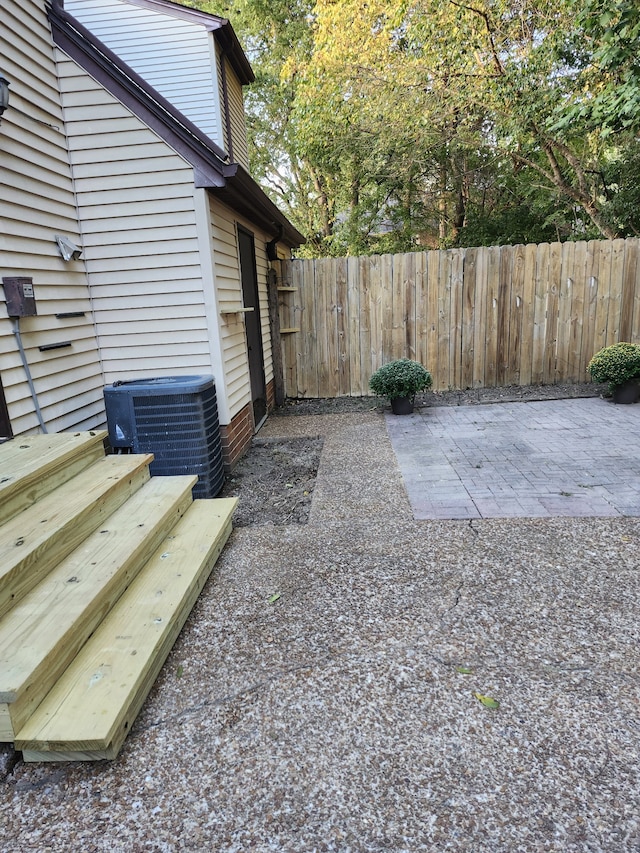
(177, 10)
(230, 181)
(228, 41)
(132, 91)
(243, 195)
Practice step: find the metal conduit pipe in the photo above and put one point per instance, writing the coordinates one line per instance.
(25, 364)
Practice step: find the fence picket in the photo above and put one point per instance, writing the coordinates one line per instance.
(479, 320)
(422, 321)
(433, 272)
(492, 327)
(513, 366)
(342, 328)
(385, 330)
(628, 290)
(602, 307)
(565, 298)
(443, 379)
(551, 325)
(575, 364)
(455, 328)
(528, 314)
(353, 320)
(505, 275)
(590, 301)
(615, 291)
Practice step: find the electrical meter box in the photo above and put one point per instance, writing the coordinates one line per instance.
(19, 296)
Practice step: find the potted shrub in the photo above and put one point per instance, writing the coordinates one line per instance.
(400, 381)
(619, 365)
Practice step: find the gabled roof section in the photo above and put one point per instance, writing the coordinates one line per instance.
(212, 170)
(221, 28)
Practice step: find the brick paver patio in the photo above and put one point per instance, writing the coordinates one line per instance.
(578, 457)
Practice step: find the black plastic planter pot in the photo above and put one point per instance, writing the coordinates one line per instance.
(628, 392)
(402, 405)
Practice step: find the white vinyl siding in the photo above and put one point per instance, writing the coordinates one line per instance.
(237, 118)
(219, 73)
(229, 291)
(136, 203)
(36, 203)
(174, 56)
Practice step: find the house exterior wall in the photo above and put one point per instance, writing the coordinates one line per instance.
(224, 224)
(174, 56)
(36, 203)
(161, 255)
(160, 268)
(142, 245)
(237, 122)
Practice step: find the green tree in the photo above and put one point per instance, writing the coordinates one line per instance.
(389, 126)
(601, 53)
(500, 66)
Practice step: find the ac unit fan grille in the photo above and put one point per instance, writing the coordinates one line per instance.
(182, 432)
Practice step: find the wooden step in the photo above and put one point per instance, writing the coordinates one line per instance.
(41, 635)
(32, 466)
(35, 541)
(89, 712)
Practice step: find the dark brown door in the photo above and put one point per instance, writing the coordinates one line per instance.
(249, 278)
(5, 424)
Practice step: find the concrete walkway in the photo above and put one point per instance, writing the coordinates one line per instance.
(327, 694)
(558, 458)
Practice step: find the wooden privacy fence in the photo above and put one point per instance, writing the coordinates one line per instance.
(483, 317)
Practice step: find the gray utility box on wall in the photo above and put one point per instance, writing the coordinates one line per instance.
(176, 419)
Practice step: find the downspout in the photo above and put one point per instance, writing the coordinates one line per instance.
(16, 331)
(272, 245)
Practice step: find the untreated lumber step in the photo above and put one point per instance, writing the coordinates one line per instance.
(32, 466)
(40, 636)
(89, 712)
(32, 543)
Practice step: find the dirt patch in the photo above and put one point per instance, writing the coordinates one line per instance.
(275, 481)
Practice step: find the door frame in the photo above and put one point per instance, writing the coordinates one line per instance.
(252, 324)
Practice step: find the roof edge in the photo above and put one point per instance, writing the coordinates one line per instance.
(135, 93)
(244, 195)
(230, 182)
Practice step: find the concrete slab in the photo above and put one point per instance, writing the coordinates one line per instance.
(345, 716)
(566, 458)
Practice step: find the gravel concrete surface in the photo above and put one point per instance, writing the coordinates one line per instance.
(332, 689)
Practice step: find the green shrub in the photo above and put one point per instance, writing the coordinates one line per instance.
(616, 364)
(402, 378)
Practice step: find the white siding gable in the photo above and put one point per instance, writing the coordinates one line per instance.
(176, 57)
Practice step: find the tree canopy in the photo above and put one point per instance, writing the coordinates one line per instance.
(405, 124)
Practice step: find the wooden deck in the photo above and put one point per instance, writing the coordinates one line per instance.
(100, 565)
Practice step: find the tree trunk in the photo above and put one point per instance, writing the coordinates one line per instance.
(442, 205)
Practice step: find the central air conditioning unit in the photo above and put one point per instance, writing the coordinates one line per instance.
(176, 419)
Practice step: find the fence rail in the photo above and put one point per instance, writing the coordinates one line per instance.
(492, 316)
